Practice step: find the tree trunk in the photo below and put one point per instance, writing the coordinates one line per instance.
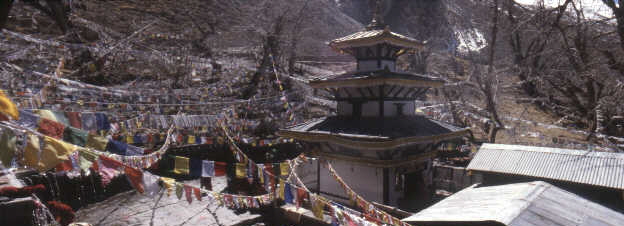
(5, 8)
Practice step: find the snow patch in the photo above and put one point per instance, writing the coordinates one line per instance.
(470, 40)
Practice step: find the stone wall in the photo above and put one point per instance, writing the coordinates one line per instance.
(452, 178)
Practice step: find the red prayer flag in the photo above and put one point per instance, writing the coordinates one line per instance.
(135, 176)
(197, 193)
(220, 168)
(301, 196)
(188, 190)
(64, 166)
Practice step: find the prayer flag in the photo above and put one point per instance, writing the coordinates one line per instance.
(302, 195)
(75, 136)
(196, 167)
(89, 122)
(28, 119)
(181, 165)
(108, 169)
(208, 169)
(220, 169)
(97, 142)
(54, 152)
(288, 196)
(51, 128)
(117, 147)
(74, 119)
(188, 191)
(31, 151)
(132, 150)
(179, 190)
(197, 194)
(261, 173)
(241, 170)
(135, 176)
(317, 208)
(284, 168)
(281, 189)
(7, 147)
(7, 106)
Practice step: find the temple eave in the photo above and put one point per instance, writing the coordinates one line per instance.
(374, 37)
(367, 82)
(419, 158)
(344, 45)
(368, 142)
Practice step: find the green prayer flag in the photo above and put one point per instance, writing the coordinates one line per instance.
(7, 147)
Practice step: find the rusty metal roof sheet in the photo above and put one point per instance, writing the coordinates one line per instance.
(579, 166)
(523, 204)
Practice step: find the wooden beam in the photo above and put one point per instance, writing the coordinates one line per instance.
(371, 92)
(346, 89)
(398, 91)
(368, 99)
(361, 92)
(390, 91)
(423, 90)
(411, 90)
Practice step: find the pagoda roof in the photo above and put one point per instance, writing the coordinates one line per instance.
(378, 77)
(373, 133)
(373, 37)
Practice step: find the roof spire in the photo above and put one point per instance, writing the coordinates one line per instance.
(377, 22)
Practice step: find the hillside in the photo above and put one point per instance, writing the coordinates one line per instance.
(222, 48)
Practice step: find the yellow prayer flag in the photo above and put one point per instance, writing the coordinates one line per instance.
(54, 152)
(129, 139)
(284, 168)
(7, 106)
(191, 139)
(317, 208)
(181, 165)
(168, 183)
(280, 193)
(261, 174)
(97, 142)
(31, 151)
(241, 170)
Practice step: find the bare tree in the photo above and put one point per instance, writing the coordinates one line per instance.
(5, 8)
(564, 61)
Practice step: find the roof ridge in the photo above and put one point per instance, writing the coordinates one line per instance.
(534, 192)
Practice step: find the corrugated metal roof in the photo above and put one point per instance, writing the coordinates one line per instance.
(523, 204)
(579, 166)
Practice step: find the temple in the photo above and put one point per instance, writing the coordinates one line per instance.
(376, 141)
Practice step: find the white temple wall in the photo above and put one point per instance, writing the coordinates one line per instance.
(344, 108)
(370, 108)
(364, 180)
(390, 110)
